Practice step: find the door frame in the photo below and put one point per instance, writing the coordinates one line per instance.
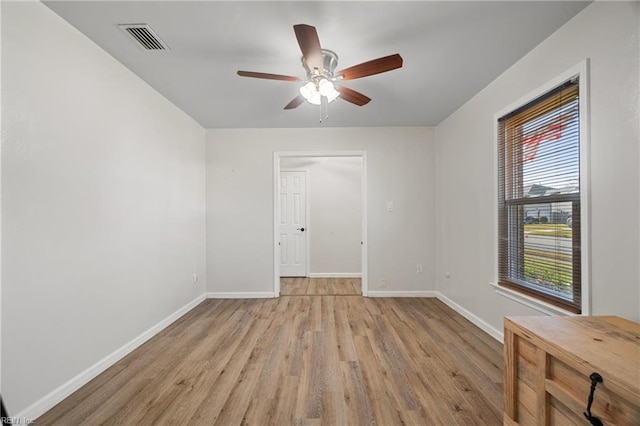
(307, 218)
(277, 155)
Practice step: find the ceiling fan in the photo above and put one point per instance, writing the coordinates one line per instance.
(320, 65)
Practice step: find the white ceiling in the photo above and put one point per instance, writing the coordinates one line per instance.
(451, 50)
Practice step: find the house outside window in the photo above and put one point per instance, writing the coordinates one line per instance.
(539, 198)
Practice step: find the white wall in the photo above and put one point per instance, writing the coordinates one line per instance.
(607, 34)
(335, 212)
(103, 221)
(240, 202)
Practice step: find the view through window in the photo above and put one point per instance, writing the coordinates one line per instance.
(539, 197)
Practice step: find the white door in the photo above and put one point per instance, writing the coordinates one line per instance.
(293, 232)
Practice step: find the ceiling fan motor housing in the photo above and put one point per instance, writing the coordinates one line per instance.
(329, 63)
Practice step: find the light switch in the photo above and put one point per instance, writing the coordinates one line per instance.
(389, 206)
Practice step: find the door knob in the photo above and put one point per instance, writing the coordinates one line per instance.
(300, 229)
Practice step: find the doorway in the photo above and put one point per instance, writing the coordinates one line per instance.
(287, 199)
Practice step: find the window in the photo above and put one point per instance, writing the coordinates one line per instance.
(539, 187)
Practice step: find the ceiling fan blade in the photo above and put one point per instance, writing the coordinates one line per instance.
(309, 45)
(268, 76)
(352, 96)
(295, 102)
(375, 66)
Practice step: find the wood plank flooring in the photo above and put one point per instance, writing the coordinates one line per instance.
(301, 360)
(320, 286)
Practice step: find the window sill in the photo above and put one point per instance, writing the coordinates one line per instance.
(531, 302)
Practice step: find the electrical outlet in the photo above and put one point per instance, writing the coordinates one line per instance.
(447, 275)
(419, 269)
(195, 278)
(383, 283)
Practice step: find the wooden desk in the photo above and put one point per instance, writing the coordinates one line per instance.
(548, 361)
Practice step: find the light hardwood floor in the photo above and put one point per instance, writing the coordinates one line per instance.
(303, 360)
(320, 286)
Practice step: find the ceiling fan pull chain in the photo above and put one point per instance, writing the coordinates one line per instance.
(326, 110)
(324, 101)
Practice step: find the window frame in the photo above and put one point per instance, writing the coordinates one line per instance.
(518, 294)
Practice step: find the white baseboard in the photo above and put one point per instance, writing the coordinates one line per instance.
(335, 275)
(47, 402)
(402, 293)
(241, 295)
(480, 323)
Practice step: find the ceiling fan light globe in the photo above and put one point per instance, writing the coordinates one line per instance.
(325, 87)
(307, 90)
(333, 96)
(316, 98)
(328, 90)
